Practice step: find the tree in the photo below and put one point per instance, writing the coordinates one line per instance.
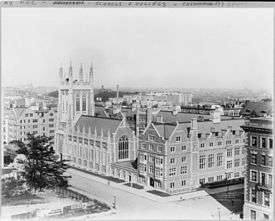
(42, 168)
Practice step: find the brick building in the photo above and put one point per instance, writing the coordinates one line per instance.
(259, 174)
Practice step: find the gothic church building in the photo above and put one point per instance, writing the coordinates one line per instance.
(94, 143)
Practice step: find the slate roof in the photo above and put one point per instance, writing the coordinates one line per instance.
(165, 130)
(169, 117)
(100, 123)
(209, 126)
(100, 112)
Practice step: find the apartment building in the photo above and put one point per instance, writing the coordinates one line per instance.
(20, 121)
(258, 203)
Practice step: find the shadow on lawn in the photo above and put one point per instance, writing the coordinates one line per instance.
(232, 200)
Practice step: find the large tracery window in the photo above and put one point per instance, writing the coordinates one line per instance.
(123, 146)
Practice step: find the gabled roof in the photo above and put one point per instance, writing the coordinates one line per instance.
(100, 112)
(164, 130)
(98, 123)
(19, 111)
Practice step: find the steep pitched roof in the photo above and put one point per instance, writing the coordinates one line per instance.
(19, 111)
(100, 112)
(164, 130)
(98, 123)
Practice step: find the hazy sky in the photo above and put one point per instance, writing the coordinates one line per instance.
(188, 48)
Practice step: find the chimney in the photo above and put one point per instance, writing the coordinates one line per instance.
(215, 116)
(194, 124)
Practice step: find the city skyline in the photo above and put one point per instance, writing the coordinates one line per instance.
(140, 47)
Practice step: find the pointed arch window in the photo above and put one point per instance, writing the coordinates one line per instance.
(84, 103)
(123, 148)
(77, 103)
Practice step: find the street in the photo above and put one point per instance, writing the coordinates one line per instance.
(131, 206)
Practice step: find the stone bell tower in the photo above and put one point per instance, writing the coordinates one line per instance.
(75, 98)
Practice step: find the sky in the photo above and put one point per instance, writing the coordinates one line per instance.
(149, 47)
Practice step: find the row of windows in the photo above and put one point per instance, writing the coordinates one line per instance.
(172, 160)
(253, 215)
(86, 141)
(216, 134)
(202, 160)
(152, 147)
(173, 149)
(158, 160)
(183, 170)
(210, 179)
(172, 184)
(34, 126)
(36, 120)
(260, 177)
(237, 151)
(263, 160)
(255, 197)
(237, 163)
(158, 171)
(178, 138)
(230, 175)
(219, 143)
(262, 142)
(90, 155)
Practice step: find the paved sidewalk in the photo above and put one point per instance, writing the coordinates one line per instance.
(142, 192)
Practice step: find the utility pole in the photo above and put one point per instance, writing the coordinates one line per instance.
(219, 213)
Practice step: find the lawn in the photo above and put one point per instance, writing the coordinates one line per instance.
(134, 185)
(232, 200)
(159, 193)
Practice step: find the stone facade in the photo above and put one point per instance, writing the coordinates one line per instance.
(179, 157)
(100, 144)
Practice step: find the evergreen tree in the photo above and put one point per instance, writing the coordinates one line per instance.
(43, 169)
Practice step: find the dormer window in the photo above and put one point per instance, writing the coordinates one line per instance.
(177, 139)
